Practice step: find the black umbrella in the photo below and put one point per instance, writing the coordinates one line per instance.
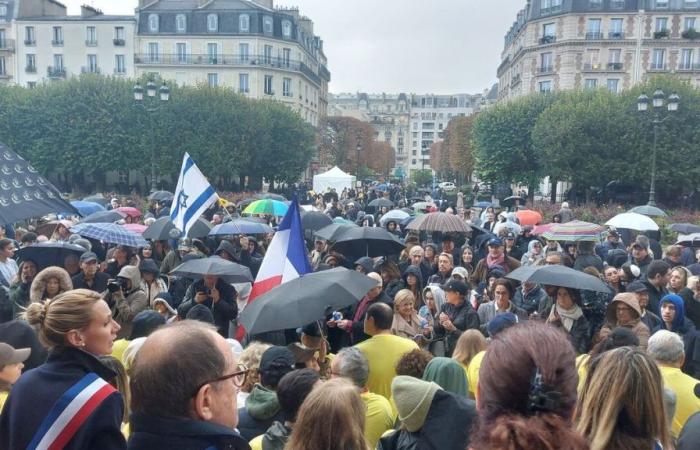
(24, 193)
(228, 271)
(162, 230)
(330, 232)
(46, 254)
(104, 217)
(314, 220)
(306, 299)
(366, 241)
(161, 196)
(684, 228)
(557, 275)
(379, 202)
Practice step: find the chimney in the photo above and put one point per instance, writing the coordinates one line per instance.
(89, 11)
(266, 3)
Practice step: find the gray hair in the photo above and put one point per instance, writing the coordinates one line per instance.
(353, 366)
(666, 347)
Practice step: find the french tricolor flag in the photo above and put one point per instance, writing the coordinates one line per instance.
(286, 257)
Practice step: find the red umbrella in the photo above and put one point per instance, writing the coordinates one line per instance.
(135, 227)
(528, 217)
(539, 229)
(129, 211)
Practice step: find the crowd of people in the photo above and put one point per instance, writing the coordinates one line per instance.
(445, 351)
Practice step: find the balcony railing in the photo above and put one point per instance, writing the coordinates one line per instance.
(594, 35)
(659, 67)
(30, 69)
(616, 35)
(615, 66)
(7, 44)
(231, 60)
(545, 69)
(592, 67)
(549, 39)
(91, 43)
(689, 67)
(56, 72)
(57, 42)
(550, 10)
(30, 42)
(120, 70)
(515, 80)
(119, 42)
(89, 69)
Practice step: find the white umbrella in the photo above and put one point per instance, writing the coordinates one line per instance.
(633, 221)
(395, 214)
(308, 207)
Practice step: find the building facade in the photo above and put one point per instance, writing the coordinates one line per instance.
(570, 44)
(261, 51)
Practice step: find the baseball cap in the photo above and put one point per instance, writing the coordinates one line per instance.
(495, 242)
(461, 271)
(636, 286)
(10, 355)
(641, 242)
(88, 256)
(276, 357)
(500, 322)
(456, 286)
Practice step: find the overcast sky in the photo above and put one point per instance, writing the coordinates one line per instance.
(415, 46)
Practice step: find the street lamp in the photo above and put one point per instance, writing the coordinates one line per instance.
(357, 162)
(151, 104)
(657, 103)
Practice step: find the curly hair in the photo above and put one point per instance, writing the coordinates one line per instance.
(251, 359)
(413, 363)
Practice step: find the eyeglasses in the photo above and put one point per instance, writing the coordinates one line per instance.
(239, 377)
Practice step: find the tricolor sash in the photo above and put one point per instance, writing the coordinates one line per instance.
(70, 412)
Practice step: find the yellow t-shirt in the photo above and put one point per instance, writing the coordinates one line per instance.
(256, 443)
(473, 372)
(3, 399)
(687, 403)
(118, 349)
(582, 368)
(380, 417)
(383, 351)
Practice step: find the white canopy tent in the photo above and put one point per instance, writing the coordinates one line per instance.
(335, 179)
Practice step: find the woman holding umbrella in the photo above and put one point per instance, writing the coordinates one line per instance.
(566, 313)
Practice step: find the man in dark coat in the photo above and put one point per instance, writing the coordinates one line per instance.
(90, 277)
(177, 403)
(354, 323)
(215, 294)
(656, 280)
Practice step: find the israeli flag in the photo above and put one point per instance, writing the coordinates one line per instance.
(193, 196)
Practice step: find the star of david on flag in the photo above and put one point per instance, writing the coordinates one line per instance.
(193, 195)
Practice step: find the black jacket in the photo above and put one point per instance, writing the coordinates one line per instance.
(578, 335)
(225, 310)
(655, 296)
(463, 317)
(157, 433)
(99, 283)
(36, 392)
(689, 439)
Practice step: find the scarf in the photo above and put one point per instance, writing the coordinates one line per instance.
(499, 262)
(568, 316)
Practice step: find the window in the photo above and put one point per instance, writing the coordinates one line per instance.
(31, 63)
(549, 30)
(690, 3)
(546, 62)
(287, 87)
(29, 36)
(658, 59)
(213, 79)
(181, 52)
(661, 23)
(268, 85)
(213, 52)
(153, 23)
(3, 69)
(92, 63)
(595, 4)
(550, 6)
(616, 28)
(286, 55)
(212, 22)
(661, 4)
(612, 85)
(181, 23)
(244, 23)
(31, 84)
(3, 10)
(58, 62)
(617, 4)
(267, 54)
(689, 23)
(243, 82)
(243, 52)
(686, 58)
(614, 55)
(545, 86)
(57, 36)
(267, 24)
(286, 28)
(119, 64)
(153, 52)
(91, 36)
(593, 29)
(591, 83)
(119, 33)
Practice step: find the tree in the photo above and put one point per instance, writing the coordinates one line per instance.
(423, 177)
(439, 159)
(460, 151)
(345, 135)
(381, 158)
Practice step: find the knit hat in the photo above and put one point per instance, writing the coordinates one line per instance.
(201, 313)
(500, 322)
(145, 323)
(412, 398)
(461, 271)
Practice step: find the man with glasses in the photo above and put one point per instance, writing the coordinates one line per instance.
(184, 383)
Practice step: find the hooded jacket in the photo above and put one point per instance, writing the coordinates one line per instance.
(530, 258)
(681, 324)
(275, 438)
(261, 410)
(416, 272)
(639, 328)
(157, 286)
(125, 305)
(38, 288)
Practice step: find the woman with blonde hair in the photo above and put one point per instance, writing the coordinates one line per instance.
(77, 326)
(251, 359)
(469, 344)
(621, 405)
(337, 405)
(406, 322)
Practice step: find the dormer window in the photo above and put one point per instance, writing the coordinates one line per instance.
(286, 28)
(267, 24)
(212, 22)
(181, 23)
(244, 22)
(153, 23)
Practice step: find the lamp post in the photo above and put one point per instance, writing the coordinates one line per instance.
(357, 162)
(151, 104)
(657, 103)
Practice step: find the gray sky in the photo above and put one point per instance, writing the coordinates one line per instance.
(435, 46)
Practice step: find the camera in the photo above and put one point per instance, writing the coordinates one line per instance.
(115, 285)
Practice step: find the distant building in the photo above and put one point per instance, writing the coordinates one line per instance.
(261, 51)
(569, 44)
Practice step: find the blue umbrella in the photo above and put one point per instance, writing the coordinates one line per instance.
(240, 226)
(482, 204)
(110, 233)
(87, 208)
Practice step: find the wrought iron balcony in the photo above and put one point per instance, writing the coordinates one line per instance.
(56, 72)
(616, 35)
(7, 45)
(549, 39)
(119, 42)
(594, 35)
(545, 69)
